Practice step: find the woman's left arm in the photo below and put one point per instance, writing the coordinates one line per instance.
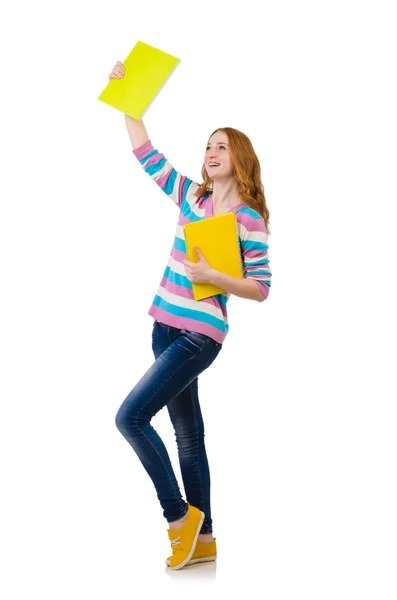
(254, 247)
(255, 285)
(244, 288)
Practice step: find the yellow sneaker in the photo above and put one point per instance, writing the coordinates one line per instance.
(202, 553)
(183, 540)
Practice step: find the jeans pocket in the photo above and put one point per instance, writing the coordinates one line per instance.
(195, 336)
(196, 342)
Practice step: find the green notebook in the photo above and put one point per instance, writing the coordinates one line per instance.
(146, 70)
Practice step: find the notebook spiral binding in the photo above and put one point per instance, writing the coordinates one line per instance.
(240, 252)
(159, 90)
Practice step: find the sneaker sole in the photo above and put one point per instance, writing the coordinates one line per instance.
(196, 560)
(183, 563)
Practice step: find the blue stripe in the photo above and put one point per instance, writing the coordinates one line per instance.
(189, 214)
(183, 281)
(258, 272)
(153, 169)
(260, 261)
(262, 281)
(179, 244)
(176, 278)
(186, 186)
(222, 299)
(251, 212)
(253, 245)
(147, 156)
(170, 182)
(180, 311)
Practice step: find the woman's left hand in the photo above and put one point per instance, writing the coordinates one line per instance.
(199, 272)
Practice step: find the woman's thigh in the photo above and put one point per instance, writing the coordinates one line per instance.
(184, 408)
(180, 357)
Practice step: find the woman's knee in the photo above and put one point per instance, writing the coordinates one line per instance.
(120, 420)
(124, 418)
(189, 440)
(128, 419)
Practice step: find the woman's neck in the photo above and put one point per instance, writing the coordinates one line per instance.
(225, 194)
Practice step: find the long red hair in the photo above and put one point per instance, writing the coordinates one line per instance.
(247, 172)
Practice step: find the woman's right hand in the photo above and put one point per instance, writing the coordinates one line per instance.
(118, 71)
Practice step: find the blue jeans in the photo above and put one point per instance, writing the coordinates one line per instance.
(172, 381)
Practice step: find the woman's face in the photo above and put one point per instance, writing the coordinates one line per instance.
(217, 151)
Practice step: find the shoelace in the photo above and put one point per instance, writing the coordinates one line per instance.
(175, 542)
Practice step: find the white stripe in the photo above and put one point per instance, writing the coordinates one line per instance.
(176, 266)
(192, 200)
(252, 236)
(191, 304)
(179, 232)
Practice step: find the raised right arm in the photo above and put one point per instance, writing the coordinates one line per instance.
(157, 166)
(136, 131)
(173, 183)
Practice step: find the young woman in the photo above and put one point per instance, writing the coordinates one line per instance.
(188, 334)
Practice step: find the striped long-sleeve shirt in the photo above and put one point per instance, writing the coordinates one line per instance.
(174, 303)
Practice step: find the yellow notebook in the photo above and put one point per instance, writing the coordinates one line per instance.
(146, 70)
(217, 239)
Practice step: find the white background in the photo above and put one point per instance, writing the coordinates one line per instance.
(299, 407)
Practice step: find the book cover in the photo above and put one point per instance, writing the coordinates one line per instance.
(218, 241)
(146, 71)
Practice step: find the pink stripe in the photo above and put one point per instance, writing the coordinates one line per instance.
(250, 223)
(255, 253)
(184, 292)
(153, 160)
(174, 288)
(162, 182)
(185, 323)
(215, 303)
(265, 289)
(182, 185)
(143, 150)
(198, 205)
(177, 255)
